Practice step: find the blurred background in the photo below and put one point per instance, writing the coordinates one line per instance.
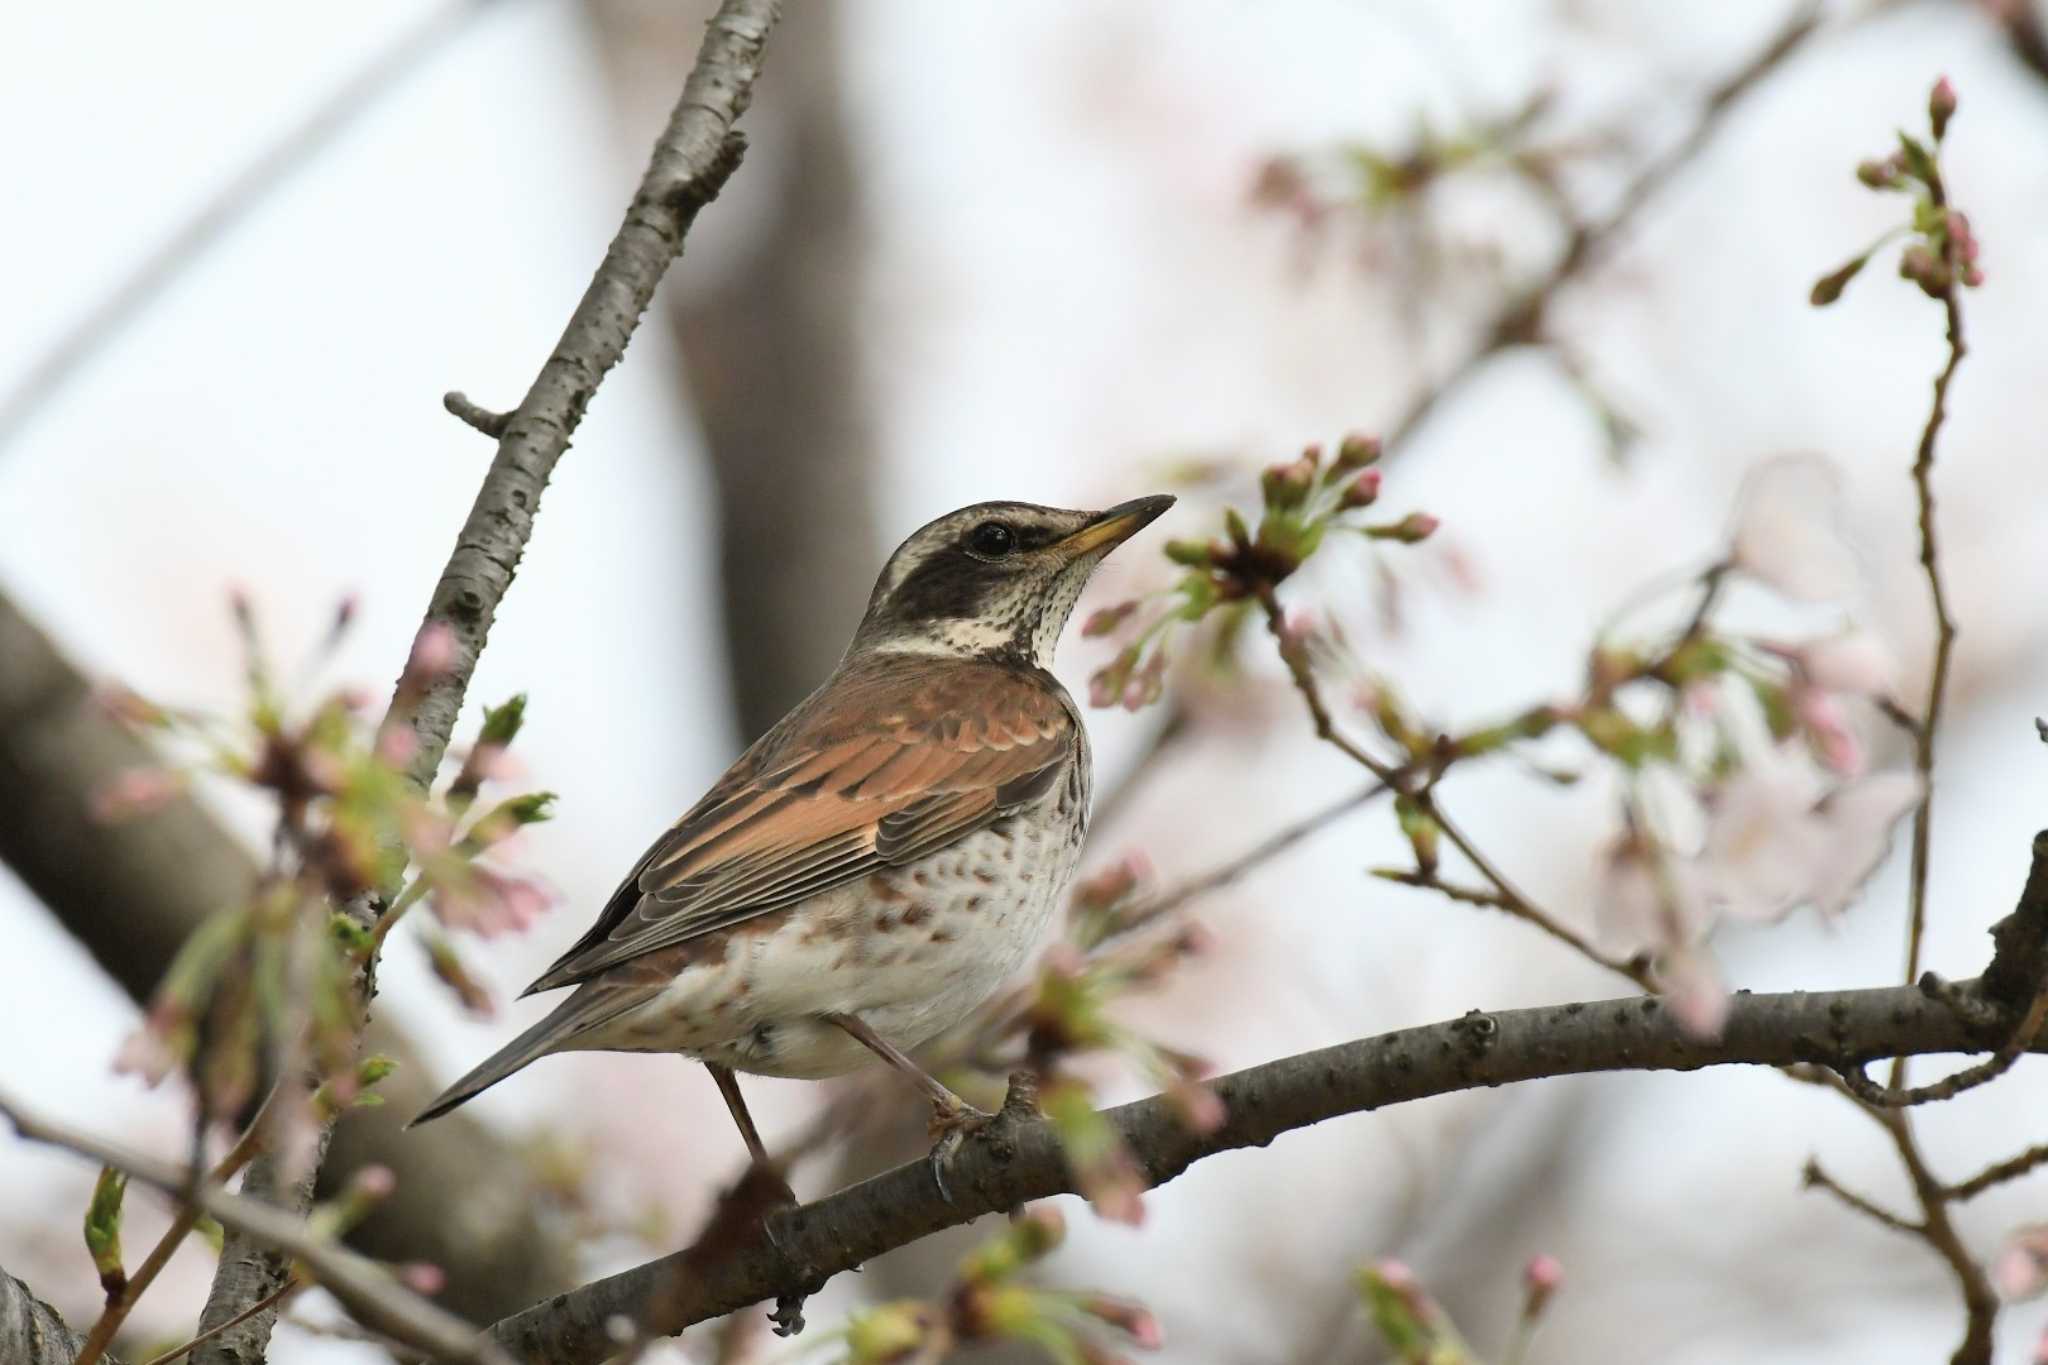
(1038, 252)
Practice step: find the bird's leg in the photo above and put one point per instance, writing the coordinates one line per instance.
(952, 1117)
(729, 1086)
(789, 1307)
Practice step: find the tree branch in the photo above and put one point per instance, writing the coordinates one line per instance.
(372, 1295)
(1929, 719)
(692, 159)
(1816, 1178)
(1021, 1160)
(32, 1332)
(132, 891)
(1520, 322)
(2012, 1168)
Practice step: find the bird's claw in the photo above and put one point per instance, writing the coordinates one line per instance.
(952, 1128)
(788, 1317)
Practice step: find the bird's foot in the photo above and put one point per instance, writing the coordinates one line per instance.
(952, 1125)
(779, 1202)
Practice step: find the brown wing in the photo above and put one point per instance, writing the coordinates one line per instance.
(894, 760)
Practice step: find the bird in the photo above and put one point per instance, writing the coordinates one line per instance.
(880, 861)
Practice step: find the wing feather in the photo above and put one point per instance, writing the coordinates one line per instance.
(889, 763)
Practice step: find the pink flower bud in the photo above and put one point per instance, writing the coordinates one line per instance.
(1355, 451)
(1134, 1320)
(1064, 959)
(373, 1183)
(423, 1277)
(1194, 940)
(1200, 1108)
(1416, 526)
(1288, 484)
(133, 792)
(1941, 106)
(396, 744)
(1112, 883)
(129, 707)
(1828, 726)
(1364, 490)
(144, 1053)
(1107, 619)
(2020, 1270)
(1540, 1280)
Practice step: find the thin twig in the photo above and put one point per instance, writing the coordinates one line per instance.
(1511, 902)
(1267, 849)
(1312, 694)
(2012, 1168)
(1509, 898)
(691, 160)
(108, 1325)
(1945, 626)
(1969, 1078)
(1521, 320)
(271, 1300)
(1398, 779)
(491, 424)
(371, 1295)
(1005, 1016)
(1170, 734)
(1023, 1160)
(1980, 1302)
(1817, 1179)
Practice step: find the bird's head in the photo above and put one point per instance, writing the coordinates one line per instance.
(995, 580)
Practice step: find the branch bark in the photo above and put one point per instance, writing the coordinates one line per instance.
(374, 1297)
(691, 161)
(1020, 1159)
(133, 891)
(32, 1332)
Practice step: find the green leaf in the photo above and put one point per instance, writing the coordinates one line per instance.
(1421, 830)
(1829, 287)
(504, 819)
(1919, 161)
(502, 722)
(350, 933)
(103, 1228)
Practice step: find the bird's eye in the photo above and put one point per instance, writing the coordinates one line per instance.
(992, 540)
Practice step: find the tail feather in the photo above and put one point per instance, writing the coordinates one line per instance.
(584, 1010)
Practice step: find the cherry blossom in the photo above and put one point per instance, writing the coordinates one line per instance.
(2021, 1268)
(1855, 662)
(1788, 530)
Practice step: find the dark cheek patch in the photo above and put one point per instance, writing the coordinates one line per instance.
(945, 587)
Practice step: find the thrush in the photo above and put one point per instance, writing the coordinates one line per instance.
(874, 866)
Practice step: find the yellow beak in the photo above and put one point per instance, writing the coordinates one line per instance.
(1115, 526)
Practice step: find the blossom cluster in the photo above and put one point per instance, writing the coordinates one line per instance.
(1302, 502)
(266, 989)
(990, 1303)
